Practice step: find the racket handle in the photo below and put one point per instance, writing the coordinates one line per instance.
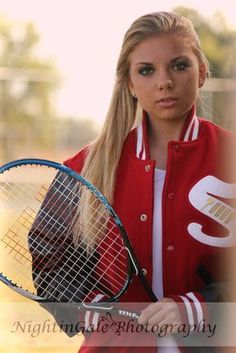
(70, 317)
(111, 309)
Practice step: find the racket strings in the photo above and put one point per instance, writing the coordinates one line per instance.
(11, 194)
(102, 274)
(20, 253)
(16, 247)
(99, 227)
(82, 254)
(15, 192)
(96, 280)
(89, 276)
(96, 223)
(91, 268)
(12, 242)
(95, 226)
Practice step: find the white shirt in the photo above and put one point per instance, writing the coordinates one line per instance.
(157, 282)
(168, 344)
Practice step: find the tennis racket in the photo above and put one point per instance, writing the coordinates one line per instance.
(39, 213)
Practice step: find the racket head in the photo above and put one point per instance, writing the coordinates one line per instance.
(39, 207)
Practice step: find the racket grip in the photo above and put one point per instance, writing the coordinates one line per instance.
(105, 308)
(65, 315)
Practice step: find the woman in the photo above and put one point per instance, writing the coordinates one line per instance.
(162, 169)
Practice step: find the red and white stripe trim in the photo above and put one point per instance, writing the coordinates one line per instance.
(140, 148)
(193, 129)
(191, 132)
(193, 309)
(197, 305)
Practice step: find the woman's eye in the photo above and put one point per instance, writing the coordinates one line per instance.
(180, 66)
(146, 71)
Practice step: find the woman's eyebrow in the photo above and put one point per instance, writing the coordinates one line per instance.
(144, 63)
(179, 58)
(172, 60)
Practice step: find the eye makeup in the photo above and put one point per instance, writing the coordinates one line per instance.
(180, 64)
(146, 69)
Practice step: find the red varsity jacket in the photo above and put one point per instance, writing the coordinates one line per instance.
(197, 216)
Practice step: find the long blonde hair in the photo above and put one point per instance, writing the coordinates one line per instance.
(104, 153)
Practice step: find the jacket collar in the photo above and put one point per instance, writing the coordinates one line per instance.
(190, 132)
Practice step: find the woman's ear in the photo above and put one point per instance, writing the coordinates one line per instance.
(131, 89)
(202, 75)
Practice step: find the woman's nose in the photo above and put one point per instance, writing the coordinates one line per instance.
(166, 84)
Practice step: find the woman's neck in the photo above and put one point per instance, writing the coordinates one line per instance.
(159, 134)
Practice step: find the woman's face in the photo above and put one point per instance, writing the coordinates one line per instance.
(165, 76)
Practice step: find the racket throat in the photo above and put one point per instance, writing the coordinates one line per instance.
(133, 262)
(141, 273)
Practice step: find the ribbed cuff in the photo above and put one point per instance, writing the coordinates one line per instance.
(193, 309)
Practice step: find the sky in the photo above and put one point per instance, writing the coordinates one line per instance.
(83, 37)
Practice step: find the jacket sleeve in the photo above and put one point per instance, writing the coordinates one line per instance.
(199, 307)
(205, 320)
(76, 162)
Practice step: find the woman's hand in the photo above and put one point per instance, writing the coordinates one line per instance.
(164, 312)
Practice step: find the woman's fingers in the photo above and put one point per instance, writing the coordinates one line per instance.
(164, 312)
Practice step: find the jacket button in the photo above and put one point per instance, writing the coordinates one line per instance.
(171, 195)
(176, 148)
(144, 271)
(147, 167)
(143, 217)
(170, 248)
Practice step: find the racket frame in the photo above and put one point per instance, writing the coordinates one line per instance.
(133, 264)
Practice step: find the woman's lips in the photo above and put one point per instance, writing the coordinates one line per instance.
(167, 102)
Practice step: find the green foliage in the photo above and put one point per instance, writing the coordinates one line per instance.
(26, 83)
(28, 122)
(218, 41)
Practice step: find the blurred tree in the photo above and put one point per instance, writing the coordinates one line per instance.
(74, 133)
(218, 41)
(28, 121)
(26, 86)
(219, 44)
